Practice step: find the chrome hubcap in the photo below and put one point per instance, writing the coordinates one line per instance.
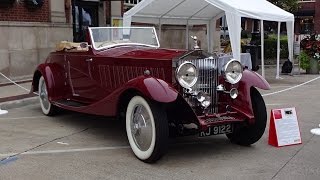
(141, 127)
(44, 95)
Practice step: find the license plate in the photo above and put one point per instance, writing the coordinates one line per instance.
(215, 130)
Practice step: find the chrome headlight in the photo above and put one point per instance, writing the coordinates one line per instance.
(187, 75)
(233, 71)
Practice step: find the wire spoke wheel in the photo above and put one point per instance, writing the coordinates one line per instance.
(147, 129)
(141, 127)
(46, 106)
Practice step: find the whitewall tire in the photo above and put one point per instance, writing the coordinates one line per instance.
(147, 129)
(46, 106)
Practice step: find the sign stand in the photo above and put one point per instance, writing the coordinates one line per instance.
(284, 128)
(316, 131)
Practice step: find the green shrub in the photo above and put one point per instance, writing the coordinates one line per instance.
(304, 60)
(270, 48)
(245, 34)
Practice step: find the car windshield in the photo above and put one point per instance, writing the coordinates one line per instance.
(106, 37)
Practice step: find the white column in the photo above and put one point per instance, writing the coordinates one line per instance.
(57, 11)
(262, 48)
(278, 52)
(115, 9)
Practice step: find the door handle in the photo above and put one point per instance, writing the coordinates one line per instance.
(89, 60)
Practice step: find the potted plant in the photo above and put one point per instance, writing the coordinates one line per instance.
(310, 55)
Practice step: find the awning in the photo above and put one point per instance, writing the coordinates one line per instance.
(195, 12)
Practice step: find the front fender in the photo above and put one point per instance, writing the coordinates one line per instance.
(253, 79)
(153, 88)
(243, 102)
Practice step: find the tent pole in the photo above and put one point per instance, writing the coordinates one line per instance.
(224, 26)
(211, 35)
(278, 52)
(262, 48)
(292, 52)
(290, 34)
(187, 35)
(160, 28)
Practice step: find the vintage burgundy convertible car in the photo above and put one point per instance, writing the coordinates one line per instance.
(122, 72)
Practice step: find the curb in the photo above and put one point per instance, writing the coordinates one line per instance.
(18, 82)
(19, 103)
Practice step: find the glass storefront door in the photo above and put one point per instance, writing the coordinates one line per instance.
(85, 14)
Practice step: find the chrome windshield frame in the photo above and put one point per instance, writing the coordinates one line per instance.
(123, 44)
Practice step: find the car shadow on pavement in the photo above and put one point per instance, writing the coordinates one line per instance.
(108, 131)
(195, 147)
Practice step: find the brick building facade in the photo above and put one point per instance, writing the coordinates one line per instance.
(30, 33)
(308, 17)
(317, 17)
(20, 12)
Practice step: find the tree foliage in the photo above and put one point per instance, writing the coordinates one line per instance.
(288, 5)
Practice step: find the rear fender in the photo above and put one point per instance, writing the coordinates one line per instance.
(54, 77)
(243, 102)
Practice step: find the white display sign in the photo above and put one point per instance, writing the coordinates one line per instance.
(284, 128)
(296, 44)
(296, 48)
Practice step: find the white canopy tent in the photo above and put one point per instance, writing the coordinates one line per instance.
(196, 12)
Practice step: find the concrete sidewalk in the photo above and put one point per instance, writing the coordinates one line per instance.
(296, 78)
(13, 90)
(12, 96)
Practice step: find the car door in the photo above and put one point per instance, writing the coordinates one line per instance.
(81, 82)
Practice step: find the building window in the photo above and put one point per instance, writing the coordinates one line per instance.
(131, 2)
(306, 25)
(128, 4)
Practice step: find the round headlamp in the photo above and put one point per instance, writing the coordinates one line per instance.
(187, 75)
(233, 71)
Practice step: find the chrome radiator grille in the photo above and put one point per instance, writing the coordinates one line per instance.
(207, 80)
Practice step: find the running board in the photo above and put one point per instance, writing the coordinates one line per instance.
(71, 103)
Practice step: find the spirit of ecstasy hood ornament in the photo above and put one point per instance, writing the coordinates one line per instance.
(196, 46)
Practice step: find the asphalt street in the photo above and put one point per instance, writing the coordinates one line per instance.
(78, 146)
